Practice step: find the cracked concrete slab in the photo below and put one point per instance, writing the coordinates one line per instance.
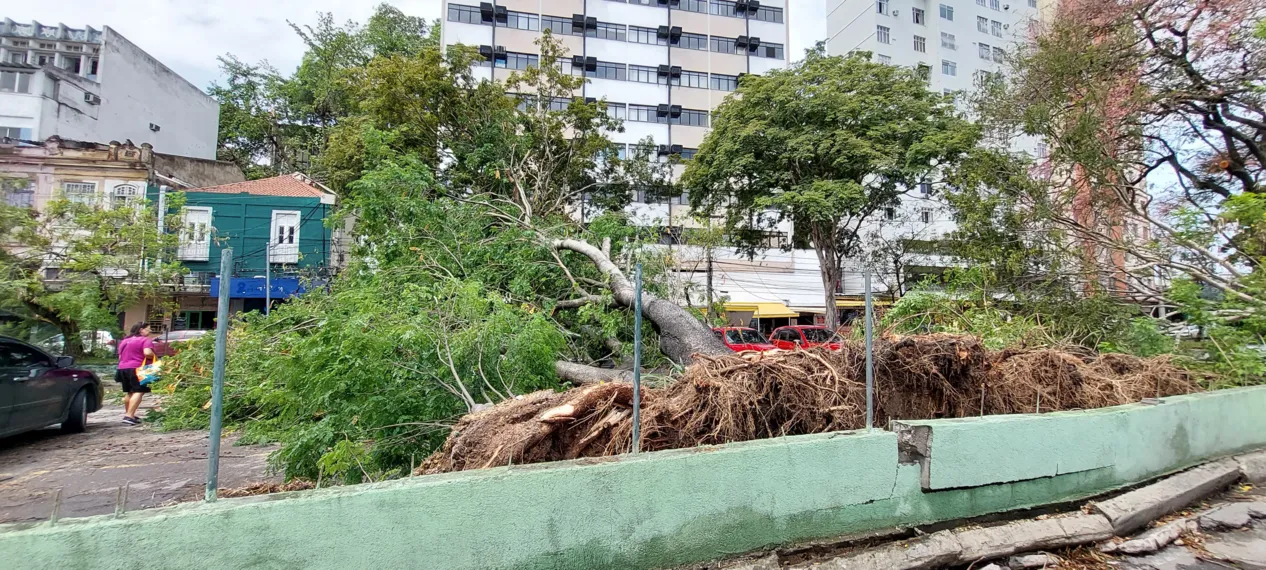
(1246, 549)
(1132, 510)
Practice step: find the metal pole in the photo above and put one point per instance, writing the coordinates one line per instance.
(268, 277)
(870, 363)
(637, 360)
(217, 382)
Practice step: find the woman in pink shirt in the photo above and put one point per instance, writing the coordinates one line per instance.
(133, 351)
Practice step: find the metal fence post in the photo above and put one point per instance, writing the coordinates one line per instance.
(637, 360)
(870, 363)
(217, 382)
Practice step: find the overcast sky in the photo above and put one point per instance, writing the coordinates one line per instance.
(188, 35)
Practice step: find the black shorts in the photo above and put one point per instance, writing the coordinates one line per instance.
(127, 377)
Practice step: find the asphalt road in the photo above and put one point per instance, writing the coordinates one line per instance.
(158, 468)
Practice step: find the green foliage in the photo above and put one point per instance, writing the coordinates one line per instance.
(825, 143)
(969, 303)
(108, 258)
(359, 381)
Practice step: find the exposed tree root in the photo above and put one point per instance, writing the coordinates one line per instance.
(729, 398)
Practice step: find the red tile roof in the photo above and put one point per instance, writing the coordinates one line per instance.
(294, 185)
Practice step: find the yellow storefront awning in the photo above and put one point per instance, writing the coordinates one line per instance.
(851, 303)
(763, 310)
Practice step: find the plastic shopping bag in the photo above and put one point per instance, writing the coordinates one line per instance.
(149, 373)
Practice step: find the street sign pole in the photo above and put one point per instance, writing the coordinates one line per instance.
(217, 381)
(870, 350)
(637, 360)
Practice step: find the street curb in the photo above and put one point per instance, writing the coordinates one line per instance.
(1132, 510)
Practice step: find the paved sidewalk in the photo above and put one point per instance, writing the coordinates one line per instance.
(162, 468)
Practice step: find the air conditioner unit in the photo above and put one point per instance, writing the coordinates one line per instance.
(486, 12)
(661, 32)
(740, 42)
(154, 127)
(662, 70)
(577, 22)
(661, 110)
(674, 34)
(1006, 6)
(663, 150)
(740, 6)
(753, 44)
(591, 63)
(92, 99)
(753, 6)
(578, 62)
(896, 13)
(500, 14)
(485, 52)
(674, 111)
(675, 149)
(591, 23)
(1006, 26)
(675, 72)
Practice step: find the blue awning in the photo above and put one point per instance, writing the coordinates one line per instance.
(253, 287)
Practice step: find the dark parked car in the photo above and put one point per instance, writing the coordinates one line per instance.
(38, 390)
(171, 342)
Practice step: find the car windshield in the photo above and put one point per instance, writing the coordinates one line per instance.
(753, 337)
(175, 336)
(820, 335)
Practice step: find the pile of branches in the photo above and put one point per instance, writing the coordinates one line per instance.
(722, 399)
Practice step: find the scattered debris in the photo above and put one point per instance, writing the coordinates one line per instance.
(267, 488)
(722, 399)
(1154, 539)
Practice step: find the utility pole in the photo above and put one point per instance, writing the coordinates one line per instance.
(708, 311)
(637, 360)
(268, 276)
(217, 375)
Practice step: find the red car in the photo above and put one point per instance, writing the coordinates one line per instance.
(742, 338)
(169, 343)
(805, 336)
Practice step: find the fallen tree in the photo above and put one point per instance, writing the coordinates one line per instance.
(730, 398)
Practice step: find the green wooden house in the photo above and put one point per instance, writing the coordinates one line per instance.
(275, 226)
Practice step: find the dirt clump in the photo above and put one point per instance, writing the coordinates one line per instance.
(721, 399)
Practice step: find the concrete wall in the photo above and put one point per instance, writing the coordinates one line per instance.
(137, 90)
(668, 508)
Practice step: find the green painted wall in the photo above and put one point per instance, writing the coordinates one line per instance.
(244, 222)
(666, 508)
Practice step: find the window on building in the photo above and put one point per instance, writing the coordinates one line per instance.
(883, 34)
(770, 50)
(692, 79)
(617, 111)
(947, 12)
(18, 192)
(518, 60)
(918, 16)
(995, 28)
(125, 195)
(723, 45)
(645, 114)
(1043, 151)
(72, 63)
(768, 14)
(15, 82)
(722, 82)
(999, 54)
(985, 52)
(646, 74)
(1033, 3)
(982, 2)
(949, 68)
(284, 247)
(687, 154)
(726, 8)
(48, 45)
(924, 71)
(995, 4)
(890, 213)
(881, 6)
(691, 117)
(195, 234)
(640, 35)
(920, 44)
(925, 189)
(693, 41)
(17, 57)
(700, 6)
(19, 43)
(464, 14)
(615, 32)
(948, 41)
(519, 21)
(925, 215)
(884, 59)
(982, 24)
(607, 70)
(12, 133)
(80, 192)
(559, 26)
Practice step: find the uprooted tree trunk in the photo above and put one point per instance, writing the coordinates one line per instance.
(681, 335)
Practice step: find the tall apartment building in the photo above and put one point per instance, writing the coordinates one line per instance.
(95, 85)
